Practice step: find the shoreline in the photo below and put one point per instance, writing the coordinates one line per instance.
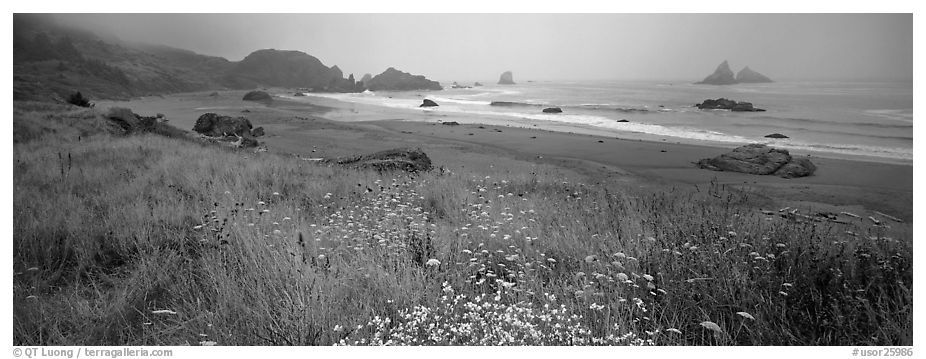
(352, 111)
(306, 128)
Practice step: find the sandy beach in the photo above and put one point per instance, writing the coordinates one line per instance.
(305, 127)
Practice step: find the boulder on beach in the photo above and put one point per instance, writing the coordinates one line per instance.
(622, 120)
(776, 135)
(721, 76)
(759, 159)
(213, 125)
(408, 160)
(477, 84)
(257, 96)
(257, 132)
(298, 94)
(552, 110)
(798, 167)
(747, 75)
(428, 103)
(451, 123)
(725, 104)
(506, 78)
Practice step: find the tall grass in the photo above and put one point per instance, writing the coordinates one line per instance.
(150, 240)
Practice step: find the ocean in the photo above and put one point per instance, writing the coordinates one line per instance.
(871, 120)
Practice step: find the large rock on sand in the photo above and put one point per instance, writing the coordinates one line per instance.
(214, 125)
(721, 76)
(759, 159)
(408, 160)
(506, 78)
(428, 103)
(257, 96)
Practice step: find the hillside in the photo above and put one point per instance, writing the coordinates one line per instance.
(50, 62)
(288, 69)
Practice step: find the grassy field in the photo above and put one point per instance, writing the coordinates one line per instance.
(154, 240)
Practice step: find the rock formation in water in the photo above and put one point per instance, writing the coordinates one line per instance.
(725, 104)
(760, 159)
(506, 78)
(395, 80)
(428, 103)
(721, 76)
(747, 75)
(552, 110)
(365, 80)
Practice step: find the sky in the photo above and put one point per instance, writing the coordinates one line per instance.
(478, 47)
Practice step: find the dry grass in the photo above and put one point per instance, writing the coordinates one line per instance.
(150, 240)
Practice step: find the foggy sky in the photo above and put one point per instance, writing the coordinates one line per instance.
(478, 47)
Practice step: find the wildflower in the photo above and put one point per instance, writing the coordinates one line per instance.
(648, 277)
(620, 255)
(551, 260)
(712, 326)
(673, 330)
(591, 258)
(746, 315)
(261, 203)
(207, 343)
(622, 276)
(433, 262)
(163, 311)
(276, 193)
(198, 227)
(783, 293)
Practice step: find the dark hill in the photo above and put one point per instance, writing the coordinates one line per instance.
(50, 62)
(395, 80)
(287, 69)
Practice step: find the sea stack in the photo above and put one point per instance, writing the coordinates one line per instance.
(721, 76)
(506, 79)
(747, 76)
(365, 80)
(395, 80)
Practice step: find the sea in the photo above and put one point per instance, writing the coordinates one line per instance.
(870, 120)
